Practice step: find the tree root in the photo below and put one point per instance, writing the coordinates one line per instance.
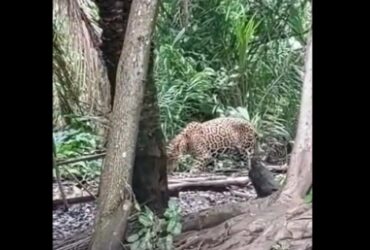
(280, 224)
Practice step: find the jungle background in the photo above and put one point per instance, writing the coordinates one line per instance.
(209, 58)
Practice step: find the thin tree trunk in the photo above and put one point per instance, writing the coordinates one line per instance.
(115, 200)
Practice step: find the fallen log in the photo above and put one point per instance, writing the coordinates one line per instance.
(176, 184)
(220, 184)
(272, 168)
(196, 179)
(174, 188)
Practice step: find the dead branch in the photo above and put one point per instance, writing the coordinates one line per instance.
(82, 185)
(83, 158)
(74, 200)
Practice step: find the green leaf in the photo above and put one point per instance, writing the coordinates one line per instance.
(145, 221)
(308, 198)
(135, 245)
(179, 36)
(142, 231)
(171, 226)
(147, 236)
(133, 238)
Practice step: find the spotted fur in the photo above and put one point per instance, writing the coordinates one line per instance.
(206, 141)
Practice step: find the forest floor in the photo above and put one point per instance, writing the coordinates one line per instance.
(80, 216)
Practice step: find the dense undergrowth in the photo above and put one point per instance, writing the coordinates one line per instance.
(239, 58)
(77, 140)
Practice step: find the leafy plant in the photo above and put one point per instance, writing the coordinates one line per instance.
(156, 233)
(73, 143)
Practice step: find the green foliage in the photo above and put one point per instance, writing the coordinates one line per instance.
(77, 66)
(231, 55)
(184, 93)
(76, 141)
(156, 233)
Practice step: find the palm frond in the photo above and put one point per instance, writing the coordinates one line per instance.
(78, 32)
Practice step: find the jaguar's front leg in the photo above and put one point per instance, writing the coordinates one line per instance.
(200, 164)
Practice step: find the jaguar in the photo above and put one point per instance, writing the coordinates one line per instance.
(208, 140)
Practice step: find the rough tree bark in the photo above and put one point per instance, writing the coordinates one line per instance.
(115, 200)
(281, 220)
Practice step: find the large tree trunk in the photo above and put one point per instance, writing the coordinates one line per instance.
(115, 200)
(280, 220)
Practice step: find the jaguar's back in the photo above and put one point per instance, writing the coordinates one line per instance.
(208, 140)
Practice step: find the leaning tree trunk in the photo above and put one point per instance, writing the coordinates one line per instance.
(115, 200)
(282, 220)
